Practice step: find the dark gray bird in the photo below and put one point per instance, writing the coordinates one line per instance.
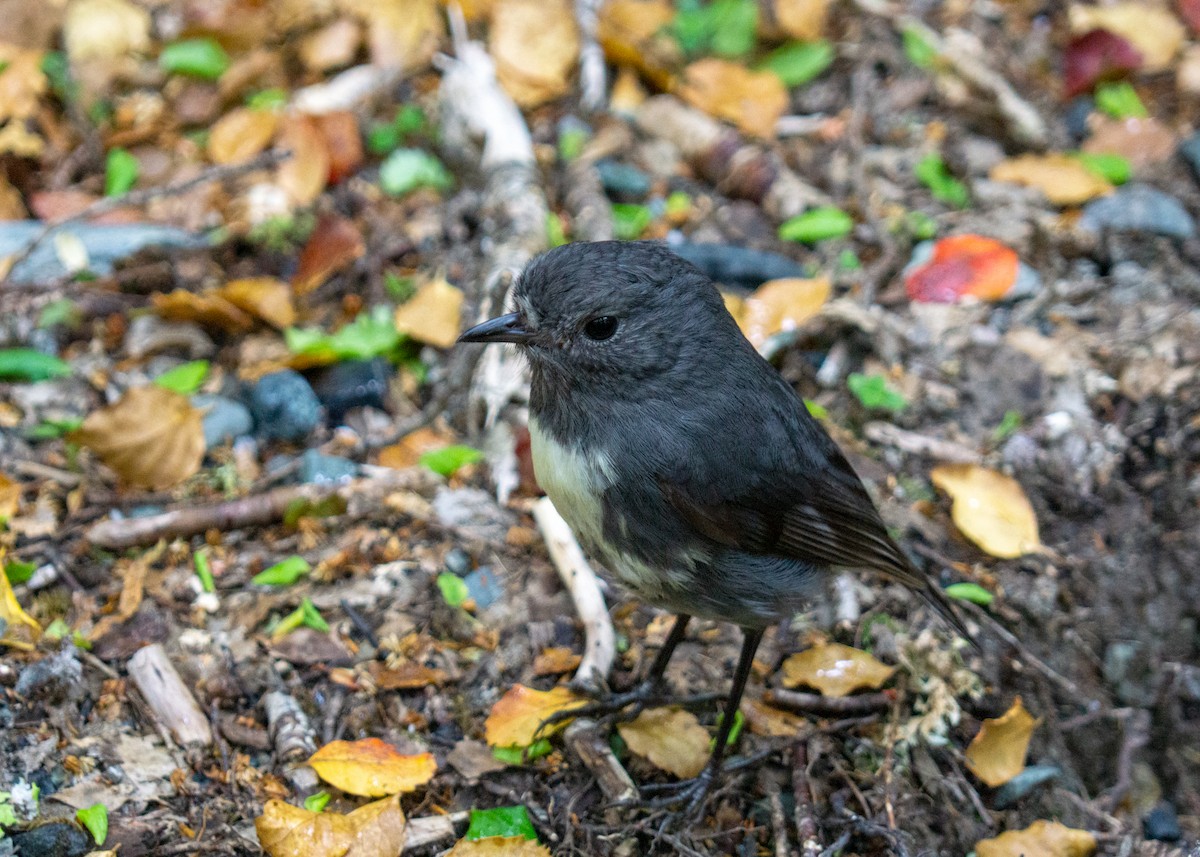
(680, 458)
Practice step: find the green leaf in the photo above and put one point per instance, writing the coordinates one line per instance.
(312, 617)
(28, 364)
(56, 630)
(8, 815)
(678, 204)
(556, 235)
(931, 171)
(571, 142)
(95, 819)
(972, 592)
(202, 58)
(61, 312)
(405, 170)
(120, 172)
(920, 225)
(399, 289)
(447, 460)
(501, 821)
(1120, 100)
(18, 571)
(723, 27)
(1010, 423)
(268, 99)
(184, 379)
(817, 224)
(848, 260)
(1114, 169)
(630, 220)
(325, 507)
(522, 755)
(371, 334)
(283, 573)
(816, 411)
(317, 802)
(797, 63)
(735, 731)
(454, 589)
(383, 137)
(51, 429)
(204, 571)
(874, 393)
(57, 69)
(918, 50)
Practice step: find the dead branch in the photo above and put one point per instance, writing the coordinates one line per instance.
(168, 698)
(592, 69)
(591, 747)
(806, 822)
(911, 442)
(293, 738)
(833, 706)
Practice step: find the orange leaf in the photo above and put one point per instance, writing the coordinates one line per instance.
(835, 670)
(408, 451)
(433, 315)
(535, 44)
(371, 767)
(1042, 838)
(751, 100)
(498, 846)
(369, 831)
(964, 265)
(344, 143)
(802, 19)
(10, 497)
(554, 660)
(990, 509)
(780, 305)
(772, 722)
(633, 33)
(516, 718)
(997, 753)
(670, 738)
(241, 134)
(406, 676)
(209, 309)
(335, 243)
(303, 176)
(263, 297)
(1063, 180)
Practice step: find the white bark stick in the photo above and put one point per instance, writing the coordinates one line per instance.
(168, 698)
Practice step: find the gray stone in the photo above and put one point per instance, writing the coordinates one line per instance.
(317, 467)
(1189, 149)
(1024, 783)
(224, 419)
(484, 586)
(284, 406)
(105, 245)
(1139, 208)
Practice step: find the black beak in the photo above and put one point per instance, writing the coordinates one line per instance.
(506, 328)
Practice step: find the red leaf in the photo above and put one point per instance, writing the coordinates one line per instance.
(334, 244)
(961, 266)
(1189, 10)
(1095, 56)
(344, 143)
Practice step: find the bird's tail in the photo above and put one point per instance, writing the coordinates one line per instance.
(938, 601)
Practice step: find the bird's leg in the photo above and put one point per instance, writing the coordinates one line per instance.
(692, 792)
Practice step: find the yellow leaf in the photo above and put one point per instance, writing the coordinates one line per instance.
(433, 315)
(241, 134)
(772, 722)
(1154, 31)
(17, 139)
(835, 670)
(402, 34)
(369, 831)
(304, 175)
(516, 718)
(535, 44)
(1062, 179)
(22, 82)
(802, 19)
(371, 767)
(209, 309)
(997, 753)
(498, 846)
(105, 29)
(1042, 838)
(10, 498)
(751, 100)
(20, 630)
(151, 438)
(408, 451)
(779, 305)
(670, 738)
(263, 297)
(989, 508)
(634, 33)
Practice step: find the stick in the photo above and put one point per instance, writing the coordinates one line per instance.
(592, 71)
(431, 829)
(293, 737)
(778, 818)
(806, 822)
(814, 703)
(168, 698)
(592, 748)
(920, 444)
(600, 647)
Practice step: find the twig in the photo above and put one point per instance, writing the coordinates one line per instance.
(1137, 736)
(592, 70)
(293, 737)
(585, 740)
(167, 697)
(814, 703)
(778, 818)
(1064, 683)
(920, 444)
(600, 647)
(806, 822)
(432, 829)
(359, 622)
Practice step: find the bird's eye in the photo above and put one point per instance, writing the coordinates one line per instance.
(600, 328)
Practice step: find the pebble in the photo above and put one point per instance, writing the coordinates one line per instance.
(51, 679)
(1076, 117)
(458, 561)
(1162, 824)
(1139, 208)
(623, 182)
(284, 406)
(484, 587)
(1024, 783)
(224, 419)
(55, 839)
(738, 266)
(352, 384)
(320, 468)
(1189, 149)
(149, 334)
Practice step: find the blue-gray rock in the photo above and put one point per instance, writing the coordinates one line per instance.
(484, 586)
(352, 384)
(317, 467)
(1162, 824)
(224, 419)
(1023, 783)
(458, 561)
(56, 839)
(105, 245)
(1190, 150)
(1139, 208)
(51, 679)
(1076, 117)
(737, 266)
(621, 181)
(284, 406)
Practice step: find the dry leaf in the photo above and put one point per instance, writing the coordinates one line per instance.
(801, 19)
(10, 497)
(133, 582)
(1143, 142)
(1062, 179)
(16, 139)
(751, 100)
(433, 315)
(516, 718)
(22, 82)
(333, 46)
(371, 767)
(406, 676)
(402, 34)
(997, 753)
(105, 30)
(151, 438)
(373, 830)
(17, 628)
(535, 44)
(343, 141)
(633, 33)
(241, 134)
(835, 670)
(772, 722)
(780, 305)
(304, 175)
(12, 204)
(990, 509)
(1155, 32)
(962, 266)
(407, 453)
(209, 309)
(335, 243)
(554, 660)
(263, 297)
(498, 846)
(1040, 839)
(670, 738)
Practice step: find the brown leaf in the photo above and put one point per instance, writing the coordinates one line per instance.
(516, 718)
(344, 142)
(801, 19)
(997, 753)
(331, 47)
(633, 33)
(1040, 839)
(990, 509)
(473, 759)
(780, 305)
(151, 438)
(772, 722)
(498, 846)
(374, 830)
(304, 175)
(335, 243)
(263, 297)
(1143, 142)
(751, 100)
(10, 497)
(535, 44)
(555, 660)
(12, 205)
(133, 582)
(835, 670)
(371, 767)
(670, 738)
(209, 309)
(433, 315)
(241, 134)
(1063, 180)
(406, 676)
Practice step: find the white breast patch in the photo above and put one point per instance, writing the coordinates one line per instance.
(574, 481)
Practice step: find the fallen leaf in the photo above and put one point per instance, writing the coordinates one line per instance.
(997, 753)
(1062, 179)
(772, 722)
(751, 100)
(535, 44)
(371, 767)
(989, 508)
(262, 297)
(781, 305)
(241, 134)
(1097, 56)
(516, 718)
(17, 628)
(1143, 142)
(209, 309)
(1042, 838)
(304, 175)
(433, 315)
(801, 19)
(335, 243)
(406, 676)
(332, 46)
(633, 33)
(10, 498)
(402, 34)
(343, 142)
(22, 82)
(16, 139)
(555, 660)
(1152, 30)
(133, 581)
(963, 266)
(835, 670)
(408, 451)
(105, 30)
(374, 830)
(12, 204)
(473, 759)
(498, 846)
(670, 738)
(151, 437)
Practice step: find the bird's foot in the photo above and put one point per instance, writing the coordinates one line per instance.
(686, 797)
(625, 706)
